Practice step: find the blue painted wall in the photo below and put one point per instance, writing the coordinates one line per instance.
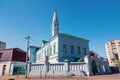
(68, 40)
(32, 53)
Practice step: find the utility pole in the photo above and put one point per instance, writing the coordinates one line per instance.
(28, 38)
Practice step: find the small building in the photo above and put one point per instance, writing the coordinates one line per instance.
(12, 61)
(2, 45)
(98, 64)
(32, 53)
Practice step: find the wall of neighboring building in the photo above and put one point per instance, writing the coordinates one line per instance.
(2, 45)
(32, 54)
(76, 43)
(5, 68)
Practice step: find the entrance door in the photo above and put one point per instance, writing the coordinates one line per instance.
(94, 67)
(3, 71)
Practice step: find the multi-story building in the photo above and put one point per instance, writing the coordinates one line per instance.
(62, 46)
(113, 52)
(2, 45)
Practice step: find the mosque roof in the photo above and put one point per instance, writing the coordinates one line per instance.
(44, 42)
(69, 35)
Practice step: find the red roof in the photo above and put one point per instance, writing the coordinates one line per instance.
(12, 54)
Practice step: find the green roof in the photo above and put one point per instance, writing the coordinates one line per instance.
(44, 41)
(34, 46)
(66, 34)
(79, 60)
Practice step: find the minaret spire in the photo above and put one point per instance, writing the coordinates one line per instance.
(55, 15)
(55, 23)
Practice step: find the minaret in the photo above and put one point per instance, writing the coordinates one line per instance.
(55, 28)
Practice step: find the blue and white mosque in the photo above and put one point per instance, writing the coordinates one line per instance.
(61, 46)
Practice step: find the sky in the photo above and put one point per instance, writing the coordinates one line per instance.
(95, 20)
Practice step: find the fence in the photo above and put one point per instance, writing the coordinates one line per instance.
(71, 68)
(57, 69)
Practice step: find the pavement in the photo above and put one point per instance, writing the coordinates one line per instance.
(96, 77)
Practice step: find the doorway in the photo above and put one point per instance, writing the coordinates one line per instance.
(3, 71)
(94, 67)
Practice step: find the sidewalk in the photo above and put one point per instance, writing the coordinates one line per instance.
(96, 77)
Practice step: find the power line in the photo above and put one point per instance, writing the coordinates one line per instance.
(15, 40)
(34, 41)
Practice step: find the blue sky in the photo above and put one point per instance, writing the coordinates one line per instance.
(95, 20)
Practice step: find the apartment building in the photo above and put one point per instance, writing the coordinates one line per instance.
(113, 52)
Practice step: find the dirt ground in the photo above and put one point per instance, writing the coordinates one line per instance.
(96, 77)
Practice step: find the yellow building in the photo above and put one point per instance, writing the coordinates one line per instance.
(113, 52)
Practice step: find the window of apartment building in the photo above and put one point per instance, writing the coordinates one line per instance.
(84, 51)
(64, 48)
(116, 56)
(78, 48)
(54, 49)
(72, 48)
(112, 42)
(118, 43)
(114, 50)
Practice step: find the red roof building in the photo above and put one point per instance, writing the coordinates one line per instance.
(12, 54)
(10, 59)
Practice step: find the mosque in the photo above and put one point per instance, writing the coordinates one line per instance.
(65, 53)
(62, 46)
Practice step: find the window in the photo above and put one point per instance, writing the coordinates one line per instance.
(50, 50)
(54, 49)
(64, 48)
(1, 55)
(119, 43)
(78, 49)
(116, 56)
(72, 48)
(84, 51)
(45, 53)
(114, 50)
